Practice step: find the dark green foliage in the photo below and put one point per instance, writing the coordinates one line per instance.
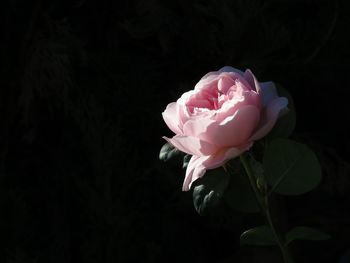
(291, 168)
(168, 152)
(258, 236)
(209, 190)
(186, 160)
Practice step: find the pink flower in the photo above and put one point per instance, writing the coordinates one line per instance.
(221, 118)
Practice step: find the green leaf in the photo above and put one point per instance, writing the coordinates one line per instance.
(208, 190)
(307, 233)
(285, 125)
(239, 194)
(258, 236)
(168, 152)
(290, 168)
(186, 160)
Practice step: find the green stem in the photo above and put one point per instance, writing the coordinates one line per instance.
(263, 201)
(280, 240)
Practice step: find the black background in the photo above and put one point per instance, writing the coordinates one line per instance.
(82, 87)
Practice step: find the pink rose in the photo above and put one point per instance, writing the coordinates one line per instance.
(221, 118)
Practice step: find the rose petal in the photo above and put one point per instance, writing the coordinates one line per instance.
(251, 79)
(230, 69)
(199, 164)
(185, 97)
(212, 74)
(171, 117)
(198, 126)
(239, 80)
(211, 79)
(268, 92)
(225, 83)
(192, 145)
(208, 82)
(235, 129)
(217, 160)
(230, 106)
(270, 117)
(195, 170)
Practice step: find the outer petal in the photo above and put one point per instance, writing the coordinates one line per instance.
(231, 69)
(199, 164)
(268, 92)
(211, 75)
(209, 80)
(224, 155)
(185, 97)
(251, 79)
(192, 145)
(171, 117)
(270, 117)
(195, 170)
(235, 129)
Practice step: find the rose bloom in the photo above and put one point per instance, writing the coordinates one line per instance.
(221, 118)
